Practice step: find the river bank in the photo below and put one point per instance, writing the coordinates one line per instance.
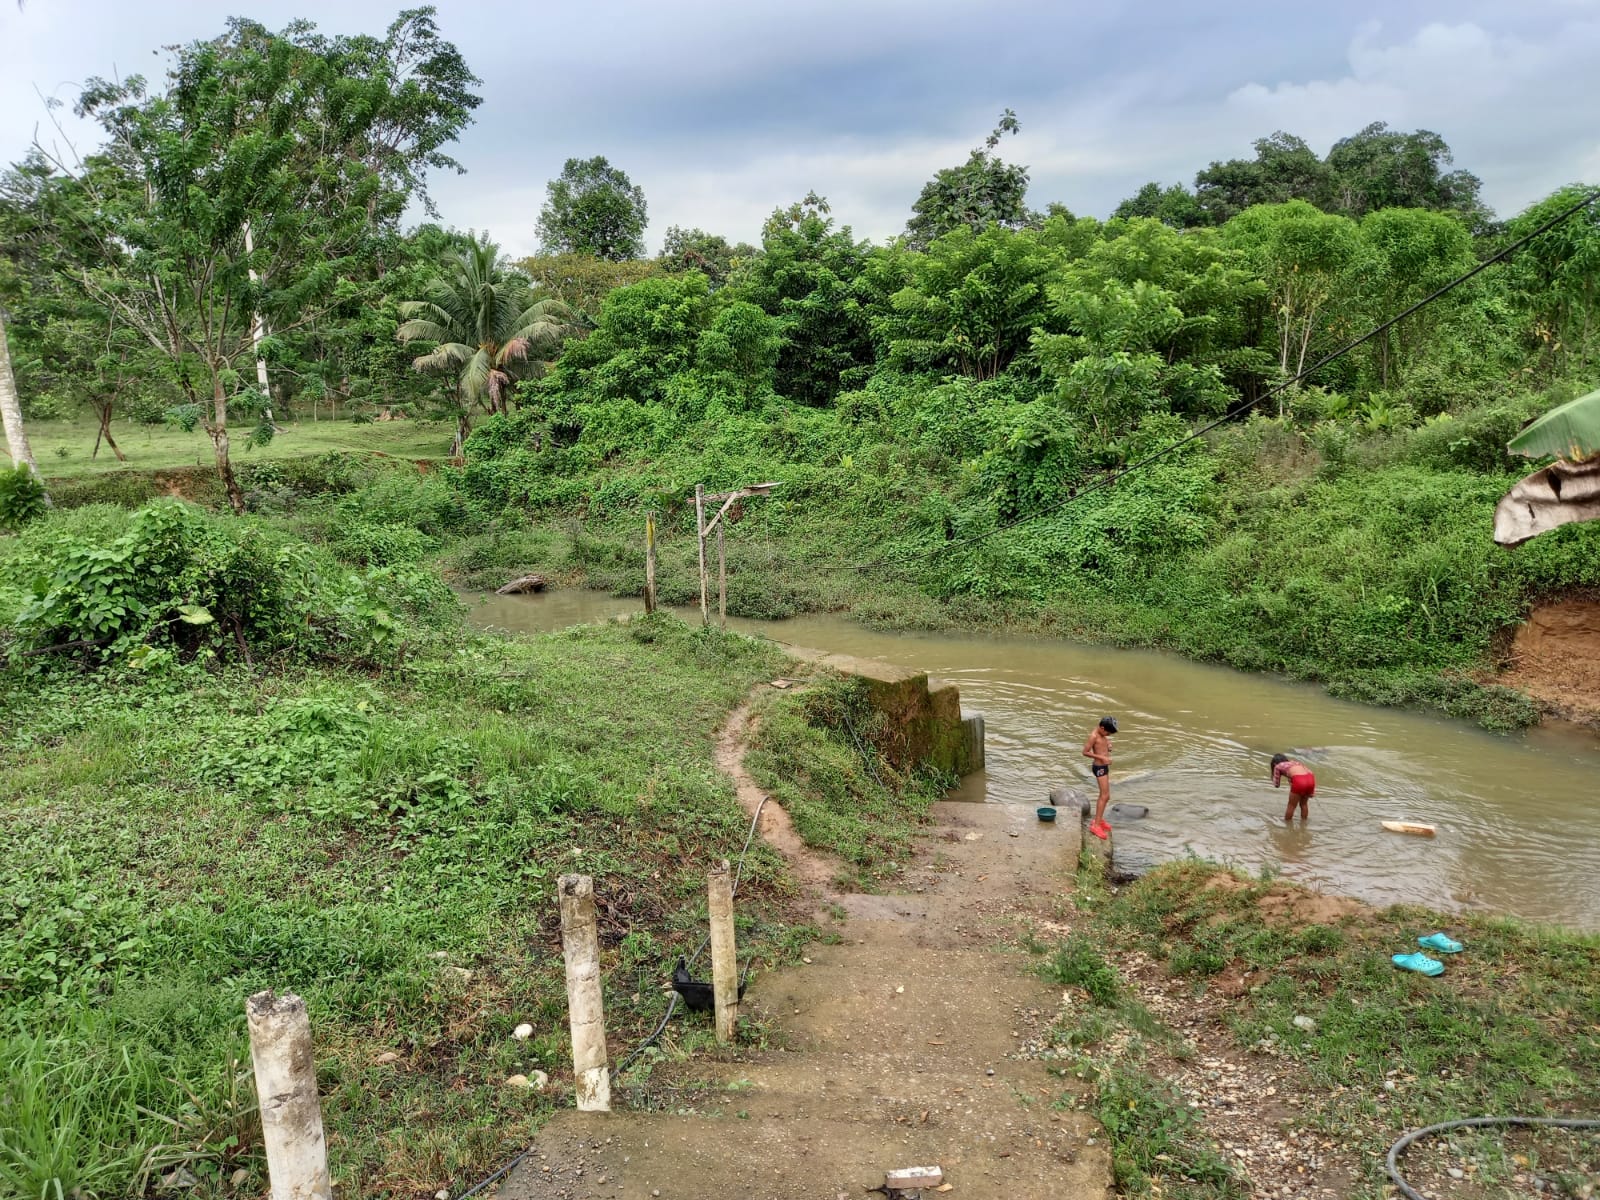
(1195, 748)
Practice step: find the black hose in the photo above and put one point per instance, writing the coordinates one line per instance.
(1399, 1147)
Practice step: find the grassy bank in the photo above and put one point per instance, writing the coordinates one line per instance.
(1366, 564)
(1245, 1032)
(382, 839)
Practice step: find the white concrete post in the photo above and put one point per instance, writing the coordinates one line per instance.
(722, 580)
(724, 952)
(286, 1085)
(580, 945)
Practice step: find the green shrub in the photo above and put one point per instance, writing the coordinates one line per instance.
(22, 497)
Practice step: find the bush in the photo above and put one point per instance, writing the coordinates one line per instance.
(22, 497)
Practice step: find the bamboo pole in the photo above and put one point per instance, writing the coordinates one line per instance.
(580, 946)
(286, 1086)
(650, 562)
(700, 536)
(724, 952)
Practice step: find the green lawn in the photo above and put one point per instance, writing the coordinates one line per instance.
(63, 448)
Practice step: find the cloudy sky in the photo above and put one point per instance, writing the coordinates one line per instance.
(724, 110)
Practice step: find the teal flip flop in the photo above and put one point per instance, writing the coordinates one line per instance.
(1420, 963)
(1440, 943)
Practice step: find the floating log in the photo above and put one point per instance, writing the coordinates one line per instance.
(1415, 828)
(520, 587)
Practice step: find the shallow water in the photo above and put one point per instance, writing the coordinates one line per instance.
(1518, 816)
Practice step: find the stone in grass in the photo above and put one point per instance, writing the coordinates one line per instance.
(1305, 1023)
(522, 1032)
(538, 1082)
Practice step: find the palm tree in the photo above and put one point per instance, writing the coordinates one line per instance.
(484, 329)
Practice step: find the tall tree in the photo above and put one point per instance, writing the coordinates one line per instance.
(1385, 168)
(254, 184)
(1175, 206)
(485, 328)
(1284, 169)
(593, 208)
(696, 250)
(11, 407)
(810, 276)
(982, 191)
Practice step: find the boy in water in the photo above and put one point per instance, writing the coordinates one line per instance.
(1302, 784)
(1098, 751)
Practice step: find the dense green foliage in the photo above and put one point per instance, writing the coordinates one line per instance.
(378, 831)
(593, 208)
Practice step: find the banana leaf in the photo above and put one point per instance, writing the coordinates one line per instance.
(1571, 431)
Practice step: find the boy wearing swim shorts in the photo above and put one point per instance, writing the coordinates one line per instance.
(1098, 751)
(1302, 784)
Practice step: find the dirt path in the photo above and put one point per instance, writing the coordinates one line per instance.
(906, 1038)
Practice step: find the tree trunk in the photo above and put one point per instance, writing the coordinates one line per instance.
(219, 442)
(105, 432)
(11, 412)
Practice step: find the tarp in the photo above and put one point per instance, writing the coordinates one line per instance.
(1553, 496)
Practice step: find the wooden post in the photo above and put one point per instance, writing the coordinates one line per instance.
(722, 580)
(286, 1087)
(650, 562)
(580, 946)
(700, 536)
(724, 952)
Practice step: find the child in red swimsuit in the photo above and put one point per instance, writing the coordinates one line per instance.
(1302, 784)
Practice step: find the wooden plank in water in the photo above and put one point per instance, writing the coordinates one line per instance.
(1415, 828)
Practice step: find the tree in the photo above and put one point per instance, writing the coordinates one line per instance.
(254, 184)
(696, 250)
(11, 408)
(1303, 255)
(484, 325)
(971, 303)
(582, 282)
(982, 191)
(593, 208)
(809, 276)
(1175, 206)
(1384, 168)
(1557, 276)
(1284, 169)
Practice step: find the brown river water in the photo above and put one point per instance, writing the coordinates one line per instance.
(1518, 816)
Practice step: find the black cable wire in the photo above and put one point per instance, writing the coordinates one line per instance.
(1399, 1148)
(1107, 480)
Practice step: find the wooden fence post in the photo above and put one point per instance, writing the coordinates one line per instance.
(580, 946)
(700, 536)
(286, 1086)
(650, 562)
(724, 952)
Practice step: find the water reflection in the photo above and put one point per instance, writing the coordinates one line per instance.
(1519, 828)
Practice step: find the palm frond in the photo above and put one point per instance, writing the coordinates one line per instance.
(423, 330)
(450, 354)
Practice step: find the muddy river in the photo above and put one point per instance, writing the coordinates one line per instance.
(1518, 817)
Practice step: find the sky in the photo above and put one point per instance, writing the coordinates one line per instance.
(723, 110)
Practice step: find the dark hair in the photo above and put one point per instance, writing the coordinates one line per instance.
(1109, 724)
(1279, 758)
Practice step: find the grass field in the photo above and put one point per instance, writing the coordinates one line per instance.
(63, 448)
(387, 846)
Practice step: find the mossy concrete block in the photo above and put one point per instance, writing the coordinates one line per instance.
(922, 720)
